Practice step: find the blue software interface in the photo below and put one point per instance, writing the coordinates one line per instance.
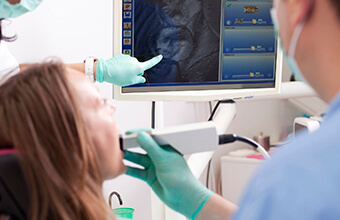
(220, 44)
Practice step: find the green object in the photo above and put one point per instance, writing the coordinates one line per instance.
(124, 70)
(137, 130)
(124, 212)
(168, 174)
(8, 10)
(228, 5)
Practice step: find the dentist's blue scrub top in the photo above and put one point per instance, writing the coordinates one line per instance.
(302, 181)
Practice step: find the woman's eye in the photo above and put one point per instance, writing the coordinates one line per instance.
(108, 104)
(104, 102)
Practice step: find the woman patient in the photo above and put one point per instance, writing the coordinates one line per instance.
(67, 140)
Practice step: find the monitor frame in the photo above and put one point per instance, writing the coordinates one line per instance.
(194, 95)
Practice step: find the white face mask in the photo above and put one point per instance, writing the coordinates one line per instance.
(293, 65)
(8, 10)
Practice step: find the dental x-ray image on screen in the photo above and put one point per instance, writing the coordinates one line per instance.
(206, 44)
(184, 32)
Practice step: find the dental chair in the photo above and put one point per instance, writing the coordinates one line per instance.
(14, 199)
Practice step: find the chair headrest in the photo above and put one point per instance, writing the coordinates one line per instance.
(8, 151)
(14, 197)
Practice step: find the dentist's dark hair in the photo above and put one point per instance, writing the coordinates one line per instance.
(40, 118)
(336, 4)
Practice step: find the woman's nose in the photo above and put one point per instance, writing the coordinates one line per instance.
(111, 105)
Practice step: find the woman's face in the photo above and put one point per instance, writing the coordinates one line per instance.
(167, 43)
(100, 123)
(182, 11)
(175, 43)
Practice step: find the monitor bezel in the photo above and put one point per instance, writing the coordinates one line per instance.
(195, 95)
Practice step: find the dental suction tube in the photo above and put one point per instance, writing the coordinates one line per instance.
(230, 138)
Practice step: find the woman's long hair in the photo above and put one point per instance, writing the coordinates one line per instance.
(39, 117)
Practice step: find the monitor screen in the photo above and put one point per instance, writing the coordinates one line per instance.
(227, 48)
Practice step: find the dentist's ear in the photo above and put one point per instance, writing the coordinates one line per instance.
(298, 10)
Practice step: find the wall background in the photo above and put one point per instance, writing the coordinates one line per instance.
(73, 30)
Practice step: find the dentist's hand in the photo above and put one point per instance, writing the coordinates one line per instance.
(169, 176)
(123, 70)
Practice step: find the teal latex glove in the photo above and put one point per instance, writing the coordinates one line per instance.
(123, 70)
(137, 130)
(169, 176)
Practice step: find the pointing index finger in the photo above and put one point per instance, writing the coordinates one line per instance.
(152, 62)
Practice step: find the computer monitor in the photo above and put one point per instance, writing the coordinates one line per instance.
(213, 49)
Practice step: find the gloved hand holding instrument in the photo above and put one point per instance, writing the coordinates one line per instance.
(168, 174)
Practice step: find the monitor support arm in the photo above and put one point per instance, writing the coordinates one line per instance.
(223, 116)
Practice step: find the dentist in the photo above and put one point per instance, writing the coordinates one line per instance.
(121, 70)
(300, 182)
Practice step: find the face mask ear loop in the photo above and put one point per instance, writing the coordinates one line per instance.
(295, 38)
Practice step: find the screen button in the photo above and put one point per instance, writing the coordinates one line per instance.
(127, 14)
(127, 25)
(127, 34)
(127, 52)
(127, 41)
(128, 6)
